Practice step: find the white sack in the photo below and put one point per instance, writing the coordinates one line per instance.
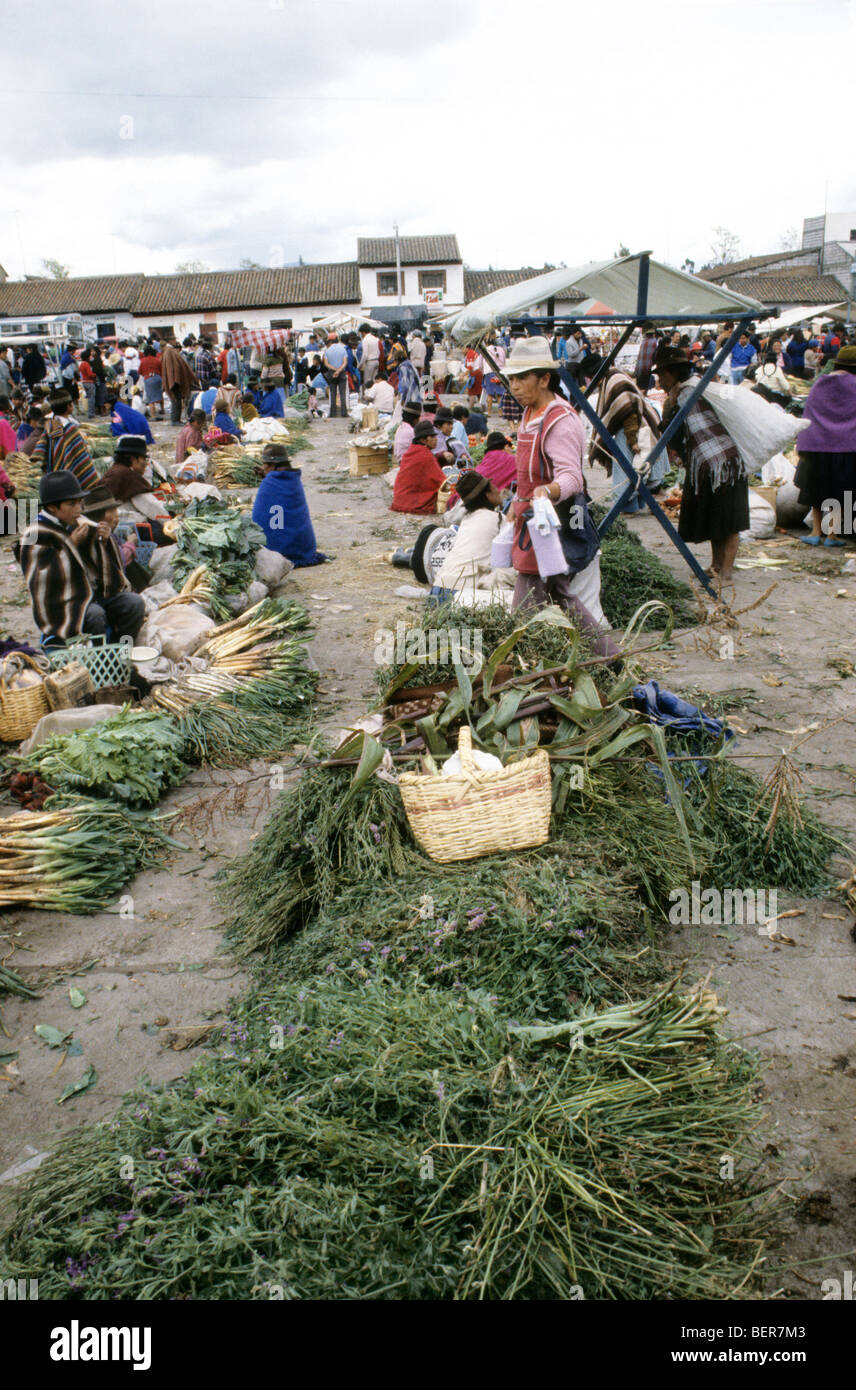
(758, 428)
(271, 567)
(67, 721)
(778, 469)
(762, 519)
(160, 565)
(789, 510)
(179, 630)
(201, 491)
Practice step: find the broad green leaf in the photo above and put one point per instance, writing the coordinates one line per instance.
(370, 760)
(76, 998)
(434, 740)
(87, 1080)
(676, 795)
(465, 685)
(52, 1036)
(508, 707)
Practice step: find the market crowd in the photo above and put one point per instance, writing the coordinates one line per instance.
(494, 480)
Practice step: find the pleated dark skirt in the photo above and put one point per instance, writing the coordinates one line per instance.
(825, 478)
(711, 516)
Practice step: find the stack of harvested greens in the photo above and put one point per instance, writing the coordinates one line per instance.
(258, 663)
(631, 575)
(132, 757)
(24, 473)
(467, 1081)
(235, 466)
(223, 539)
(75, 856)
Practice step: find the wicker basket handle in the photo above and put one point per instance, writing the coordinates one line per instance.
(465, 749)
(18, 659)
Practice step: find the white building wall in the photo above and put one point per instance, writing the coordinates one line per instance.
(839, 225)
(453, 298)
(123, 324)
(189, 321)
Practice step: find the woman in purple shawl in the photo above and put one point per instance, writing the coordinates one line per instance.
(827, 449)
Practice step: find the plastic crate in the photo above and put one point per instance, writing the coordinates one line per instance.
(146, 547)
(108, 663)
(144, 552)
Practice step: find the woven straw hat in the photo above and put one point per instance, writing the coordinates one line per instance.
(530, 355)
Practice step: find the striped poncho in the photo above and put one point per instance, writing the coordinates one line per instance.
(62, 446)
(621, 405)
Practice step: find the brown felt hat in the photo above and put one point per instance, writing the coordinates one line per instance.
(471, 485)
(99, 499)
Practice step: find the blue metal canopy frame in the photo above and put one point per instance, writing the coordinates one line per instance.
(623, 458)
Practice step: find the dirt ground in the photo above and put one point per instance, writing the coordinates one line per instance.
(165, 968)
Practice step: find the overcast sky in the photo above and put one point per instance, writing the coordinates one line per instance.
(539, 131)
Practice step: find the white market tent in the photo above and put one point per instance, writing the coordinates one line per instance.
(806, 313)
(671, 294)
(341, 322)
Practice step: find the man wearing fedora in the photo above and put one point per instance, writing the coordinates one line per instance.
(73, 586)
(126, 480)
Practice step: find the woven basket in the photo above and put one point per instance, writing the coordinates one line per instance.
(68, 687)
(20, 710)
(474, 813)
(443, 495)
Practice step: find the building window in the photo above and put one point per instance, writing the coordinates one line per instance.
(282, 323)
(240, 324)
(106, 330)
(853, 233)
(387, 282)
(208, 329)
(159, 330)
(432, 280)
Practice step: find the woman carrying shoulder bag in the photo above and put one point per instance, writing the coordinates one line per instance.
(550, 445)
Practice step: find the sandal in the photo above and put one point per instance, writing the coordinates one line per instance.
(810, 540)
(833, 541)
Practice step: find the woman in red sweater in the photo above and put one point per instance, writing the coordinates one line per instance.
(420, 476)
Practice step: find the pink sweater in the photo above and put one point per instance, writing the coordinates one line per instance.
(563, 445)
(403, 440)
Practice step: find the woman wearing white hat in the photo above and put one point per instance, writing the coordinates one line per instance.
(550, 446)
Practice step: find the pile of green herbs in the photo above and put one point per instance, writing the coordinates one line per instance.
(226, 541)
(631, 575)
(448, 1081)
(385, 1140)
(133, 758)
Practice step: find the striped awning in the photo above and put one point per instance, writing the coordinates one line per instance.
(260, 337)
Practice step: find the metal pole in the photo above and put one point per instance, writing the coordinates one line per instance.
(397, 261)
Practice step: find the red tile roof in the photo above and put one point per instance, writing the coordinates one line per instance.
(99, 294)
(414, 250)
(783, 287)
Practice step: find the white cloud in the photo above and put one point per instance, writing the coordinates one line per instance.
(537, 132)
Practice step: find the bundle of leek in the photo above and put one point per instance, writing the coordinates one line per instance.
(270, 619)
(198, 587)
(75, 855)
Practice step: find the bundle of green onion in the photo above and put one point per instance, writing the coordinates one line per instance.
(75, 857)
